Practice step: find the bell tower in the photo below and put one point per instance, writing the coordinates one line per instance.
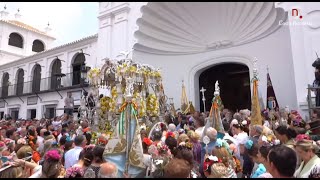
(117, 24)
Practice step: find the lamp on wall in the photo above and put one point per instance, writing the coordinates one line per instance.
(84, 72)
(60, 59)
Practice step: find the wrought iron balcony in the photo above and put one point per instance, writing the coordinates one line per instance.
(55, 83)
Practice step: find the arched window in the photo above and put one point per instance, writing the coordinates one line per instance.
(36, 80)
(55, 72)
(5, 85)
(79, 61)
(15, 40)
(37, 46)
(20, 82)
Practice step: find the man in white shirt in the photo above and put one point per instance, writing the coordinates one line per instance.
(56, 123)
(72, 156)
(69, 104)
(40, 139)
(199, 125)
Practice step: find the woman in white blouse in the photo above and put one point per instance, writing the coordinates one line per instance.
(306, 151)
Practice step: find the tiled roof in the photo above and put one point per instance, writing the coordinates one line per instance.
(26, 26)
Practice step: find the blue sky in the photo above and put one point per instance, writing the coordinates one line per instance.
(69, 21)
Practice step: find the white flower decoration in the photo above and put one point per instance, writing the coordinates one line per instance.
(244, 122)
(264, 139)
(206, 140)
(276, 142)
(213, 158)
(182, 144)
(159, 161)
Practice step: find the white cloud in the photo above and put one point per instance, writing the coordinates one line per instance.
(62, 16)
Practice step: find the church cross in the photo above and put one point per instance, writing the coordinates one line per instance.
(202, 91)
(203, 99)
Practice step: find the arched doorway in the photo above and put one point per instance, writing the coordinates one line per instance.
(78, 63)
(36, 79)
(5, 85)
(234, 83)
(56, 70)
(20, 82)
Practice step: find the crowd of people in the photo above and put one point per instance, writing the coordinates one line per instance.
(183, 147)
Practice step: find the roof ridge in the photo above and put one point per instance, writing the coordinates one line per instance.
(26, 26)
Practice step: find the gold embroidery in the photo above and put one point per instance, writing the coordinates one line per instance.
(120, 147)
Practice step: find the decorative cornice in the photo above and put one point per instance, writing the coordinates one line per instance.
(10, 53)
(175, 28)
(114, 11)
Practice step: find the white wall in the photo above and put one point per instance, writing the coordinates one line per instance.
(67, 54)
(305, 41)
(117, 24)
(273, 51)
(28, 38)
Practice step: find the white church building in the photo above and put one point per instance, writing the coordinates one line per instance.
(194, 42)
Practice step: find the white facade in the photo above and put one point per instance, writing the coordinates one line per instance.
(185, 39)
(48, 97)
(9, 53)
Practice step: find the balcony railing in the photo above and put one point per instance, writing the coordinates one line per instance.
(42, 85)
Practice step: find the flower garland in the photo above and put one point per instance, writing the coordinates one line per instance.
(147, 141)
(269, 140)
(74, 171)
(260, 170)
(53, 155)
(105, 104)
(209, 161)
(249, 144)
(22, 141)
(222, 143)
(137, 98)
(93, 76)
(170, 134)
(152, 105)
(114, 96)
(302, 137)
(159, 150)
(187, 145)
(161, 155)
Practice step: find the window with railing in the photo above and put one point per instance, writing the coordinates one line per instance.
(36, 80)
(56, 74)
(19, 85)
(5, 85)
(78, 63)
(36, 85)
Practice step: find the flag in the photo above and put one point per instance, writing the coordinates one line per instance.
(272, 102)
(256, 117)
(190, 109)
(184, 99)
